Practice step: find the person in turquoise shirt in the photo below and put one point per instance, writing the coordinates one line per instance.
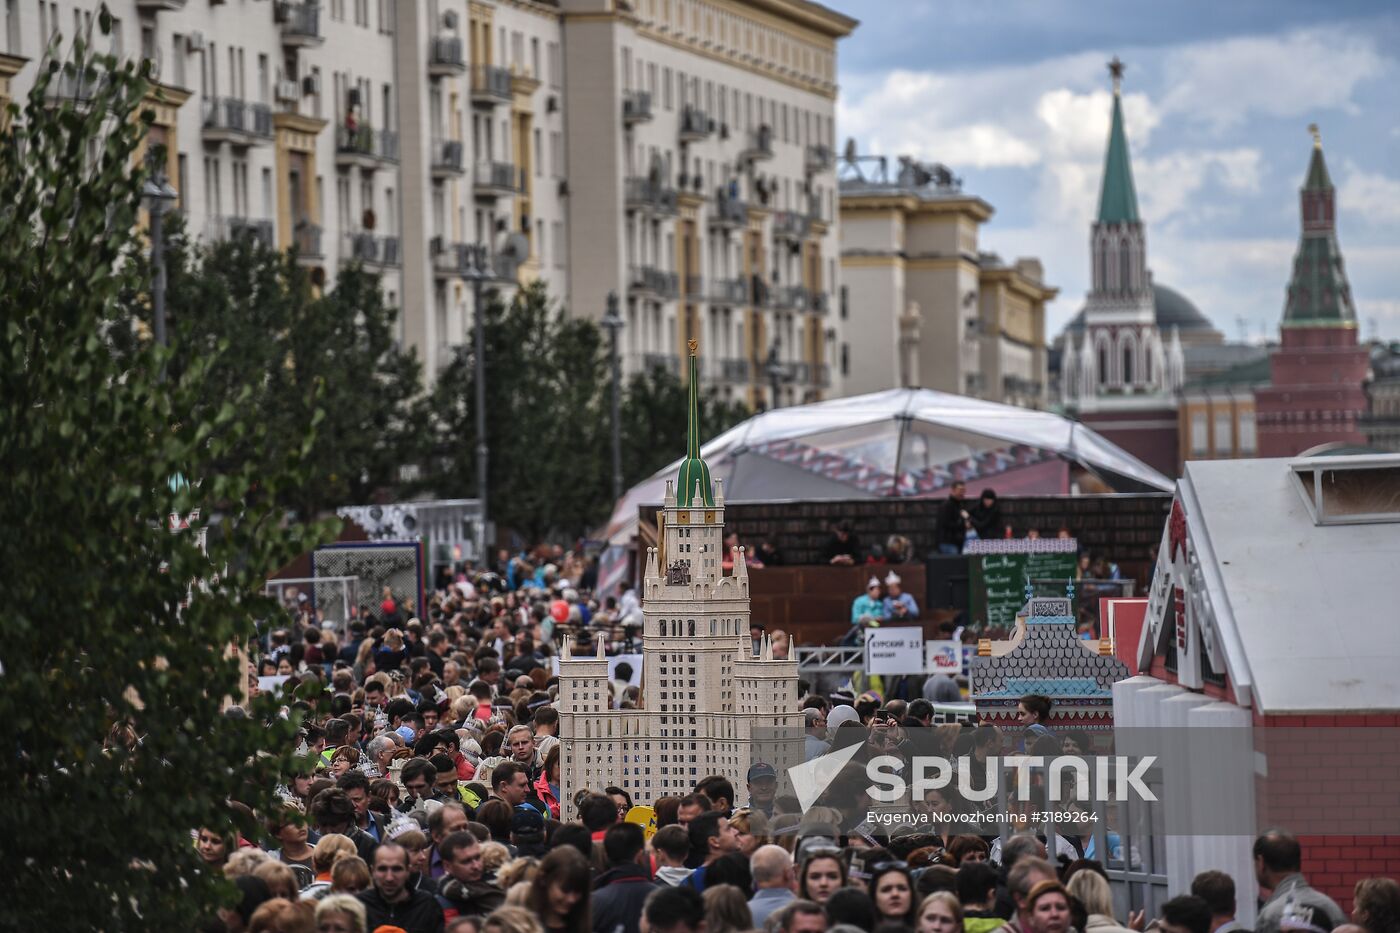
(868, 604)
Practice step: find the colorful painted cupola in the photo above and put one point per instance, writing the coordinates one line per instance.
(694, 470)
(1118, 197)
(1318, 293)
(1046, 656)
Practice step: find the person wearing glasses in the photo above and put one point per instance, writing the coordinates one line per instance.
(892, 889)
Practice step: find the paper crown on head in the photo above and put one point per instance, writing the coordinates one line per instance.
(873, 584)
(892, 577)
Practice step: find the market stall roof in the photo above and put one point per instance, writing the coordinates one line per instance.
(900, 443)
(1304, 602)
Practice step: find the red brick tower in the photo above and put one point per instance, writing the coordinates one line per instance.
(1317, 393)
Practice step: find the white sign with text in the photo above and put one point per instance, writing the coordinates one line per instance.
(895, 651)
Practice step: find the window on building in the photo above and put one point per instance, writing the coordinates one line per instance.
(1127, 365)
(1224, 434)
(1200, 437)
(1245, 437)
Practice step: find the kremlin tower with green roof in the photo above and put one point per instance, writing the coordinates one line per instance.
(1119, 373)
(1317, 394)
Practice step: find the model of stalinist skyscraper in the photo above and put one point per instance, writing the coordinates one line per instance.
(704, 692)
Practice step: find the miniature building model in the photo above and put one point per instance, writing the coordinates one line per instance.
(705, 695)
(1045, 655)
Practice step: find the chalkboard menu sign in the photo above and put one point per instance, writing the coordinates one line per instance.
(999, 584)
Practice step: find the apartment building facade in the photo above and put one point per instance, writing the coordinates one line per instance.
(676, 152)
(922, 303)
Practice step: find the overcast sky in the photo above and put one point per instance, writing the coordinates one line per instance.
(1014, 97)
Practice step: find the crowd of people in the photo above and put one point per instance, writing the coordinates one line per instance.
(429, 801)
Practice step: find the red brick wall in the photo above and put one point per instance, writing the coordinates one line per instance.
(1157, 447)
(1333, 864)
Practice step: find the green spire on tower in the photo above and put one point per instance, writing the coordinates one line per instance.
(1118, 197)
(1318, 293)
(693, 469)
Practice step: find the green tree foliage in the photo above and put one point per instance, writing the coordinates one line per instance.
(110, 692)
(653, 422)
(545, 420)
(300, 352)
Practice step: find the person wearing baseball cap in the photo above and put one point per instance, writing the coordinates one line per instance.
(763, 787)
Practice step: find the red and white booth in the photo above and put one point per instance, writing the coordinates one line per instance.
(1274, 606)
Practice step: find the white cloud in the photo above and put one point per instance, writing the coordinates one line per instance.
(1078, 124)
(1368, 197)
(1294, 74)
(1168, 185)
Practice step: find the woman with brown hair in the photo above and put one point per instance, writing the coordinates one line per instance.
(345, 758)
(559, 893)
(1047, 908)
(726, 909)
(752, 827)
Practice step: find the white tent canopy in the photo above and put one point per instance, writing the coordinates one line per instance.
(896, 443)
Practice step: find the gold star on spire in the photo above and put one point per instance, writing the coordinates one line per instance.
(1316, 135)
(694, 347)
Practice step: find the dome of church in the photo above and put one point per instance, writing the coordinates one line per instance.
(1173, 309)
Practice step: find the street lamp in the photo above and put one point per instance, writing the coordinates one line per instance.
(158, 195)
(482, 266)
(613, 323)
(478, 258)
(776, 371)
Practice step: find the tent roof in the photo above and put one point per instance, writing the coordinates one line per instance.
(894, 443)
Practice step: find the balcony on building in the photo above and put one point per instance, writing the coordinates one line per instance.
(230, 229)
(447, 159)
(450, 260)
(653, 282)
(818, 158)
(729, 292)
(155, 6)
(67, 87)
(759, 145)
(306, 236)
(732, 370)
(445, 57)
(819, 375)
(789, 298)
(694, 288)
(799, 373)
(300, 22)
(365, 147)
(1014, 387)
(494, 180)
(695, 124)
(728, 212)
(651, 196)
(666, 362)
(636, 107)
(490, 85)
(235, 121)
(789, 226)
(818, 302)
(371, 249)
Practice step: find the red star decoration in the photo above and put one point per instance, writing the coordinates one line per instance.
(1176, 526)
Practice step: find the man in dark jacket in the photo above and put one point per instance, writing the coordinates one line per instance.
(952, 520)
(390, 901)
(465, 891)
(620, 892)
